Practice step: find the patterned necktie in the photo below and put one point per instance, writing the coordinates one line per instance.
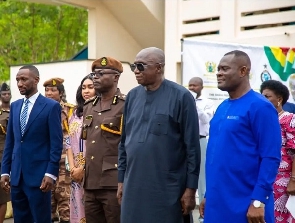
(23, 117)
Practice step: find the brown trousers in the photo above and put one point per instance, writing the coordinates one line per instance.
(101, 206)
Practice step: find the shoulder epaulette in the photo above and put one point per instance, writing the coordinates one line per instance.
(94, 99)
(3, 110)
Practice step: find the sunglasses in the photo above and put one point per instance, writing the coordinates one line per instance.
(140, 66)
(101, 73)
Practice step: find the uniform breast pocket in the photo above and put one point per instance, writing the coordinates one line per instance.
(111, 126)
(159, 124)
(109, 175)
(87, 121)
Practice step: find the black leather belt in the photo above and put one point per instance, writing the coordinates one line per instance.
(202, 137)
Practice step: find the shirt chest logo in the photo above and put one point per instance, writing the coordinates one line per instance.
(233, 117)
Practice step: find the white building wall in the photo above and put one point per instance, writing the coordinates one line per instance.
(262, 22)
(107, 36)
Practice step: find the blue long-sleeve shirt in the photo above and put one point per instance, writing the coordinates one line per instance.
(243, 157)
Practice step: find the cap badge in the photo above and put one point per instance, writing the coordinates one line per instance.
(53, 82)
(104, 61)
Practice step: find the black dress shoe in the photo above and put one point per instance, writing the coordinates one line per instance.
(54, 219)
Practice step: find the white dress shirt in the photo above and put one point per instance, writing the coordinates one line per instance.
(31, 103)
(205, 108)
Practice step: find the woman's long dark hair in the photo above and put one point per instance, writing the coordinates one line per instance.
(80, 100)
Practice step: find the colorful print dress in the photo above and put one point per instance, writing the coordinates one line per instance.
(287, 122)
(77, 213)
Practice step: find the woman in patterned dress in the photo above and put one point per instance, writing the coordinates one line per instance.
(284, 185)
(76, 151)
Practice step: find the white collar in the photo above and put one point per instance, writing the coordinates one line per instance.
(33, 98)
(200, 98)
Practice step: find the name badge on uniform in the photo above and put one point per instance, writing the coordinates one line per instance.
(87, 123)
(84, 132)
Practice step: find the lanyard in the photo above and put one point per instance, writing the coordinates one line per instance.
(81, 145)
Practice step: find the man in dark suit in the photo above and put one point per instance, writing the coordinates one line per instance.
(32, 150)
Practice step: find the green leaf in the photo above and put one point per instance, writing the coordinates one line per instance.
(36, 33)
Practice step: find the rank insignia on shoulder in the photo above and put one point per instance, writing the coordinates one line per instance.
(95, 101)
(115, 100)
(90, 99)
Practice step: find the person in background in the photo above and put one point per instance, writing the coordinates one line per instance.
(284, 186)
(292, 85)
(32, 150)
(60, 197)
(244, 149)
(289, 107)
(205, 108)
(5, 97)
(159, 153)
(76, 151)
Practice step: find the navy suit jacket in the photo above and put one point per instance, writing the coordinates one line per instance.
(38, 151)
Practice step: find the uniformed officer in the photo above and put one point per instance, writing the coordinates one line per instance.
(102, 127)
(60, 195)
(5, 97)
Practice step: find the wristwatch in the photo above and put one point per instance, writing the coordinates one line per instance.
(258, 204)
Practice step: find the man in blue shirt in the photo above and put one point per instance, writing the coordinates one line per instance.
(243, 152)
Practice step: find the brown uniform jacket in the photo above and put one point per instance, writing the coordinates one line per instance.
(102, 131)
(4, 114)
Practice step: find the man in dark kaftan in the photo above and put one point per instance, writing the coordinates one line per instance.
(159, 154)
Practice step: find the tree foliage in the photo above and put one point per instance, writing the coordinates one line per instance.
(35, 33)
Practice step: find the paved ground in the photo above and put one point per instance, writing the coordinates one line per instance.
(195, 213)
